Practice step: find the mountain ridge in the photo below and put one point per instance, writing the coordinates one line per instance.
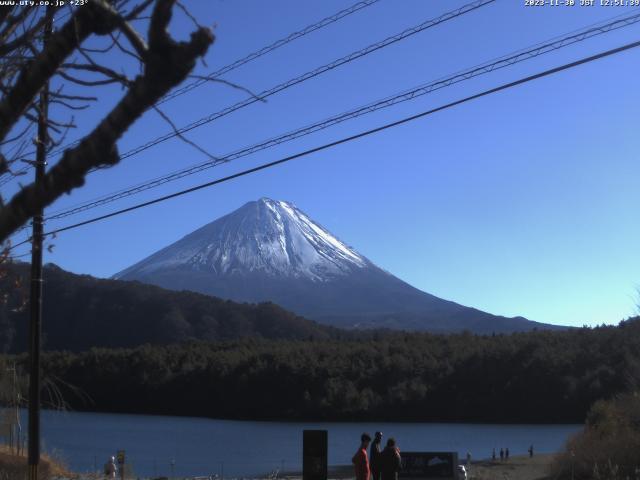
(82, 312)
(270, 250)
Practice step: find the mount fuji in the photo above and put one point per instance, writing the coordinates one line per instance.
(270, 250)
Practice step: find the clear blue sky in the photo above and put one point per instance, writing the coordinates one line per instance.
(521, 203)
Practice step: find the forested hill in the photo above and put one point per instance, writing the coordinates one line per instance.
(526, 377)
(80, 312)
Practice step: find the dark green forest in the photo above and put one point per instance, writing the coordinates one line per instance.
(534, 377)
(128, 347)
(81, 312)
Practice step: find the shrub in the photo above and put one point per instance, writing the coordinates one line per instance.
(609, 446)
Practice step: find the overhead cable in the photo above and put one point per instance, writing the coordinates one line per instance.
(227, 68)
(366, 133)
(484, 68)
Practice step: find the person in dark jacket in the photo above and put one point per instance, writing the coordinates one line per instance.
(390, 461)
(374, 456)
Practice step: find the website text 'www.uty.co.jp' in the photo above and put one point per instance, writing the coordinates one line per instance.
(42, 3)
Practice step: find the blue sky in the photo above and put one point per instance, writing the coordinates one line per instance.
(521, 203)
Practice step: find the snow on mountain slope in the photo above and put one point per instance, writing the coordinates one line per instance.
(267, 236)
(270, 250)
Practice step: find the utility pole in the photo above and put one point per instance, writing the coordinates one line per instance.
(16, 430)
(35, 300)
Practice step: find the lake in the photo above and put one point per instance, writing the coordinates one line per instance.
(201, 446)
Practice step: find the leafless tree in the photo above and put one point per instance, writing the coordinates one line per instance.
(71, 58)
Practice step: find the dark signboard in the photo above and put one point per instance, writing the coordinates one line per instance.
(314, 455)
(429, 465)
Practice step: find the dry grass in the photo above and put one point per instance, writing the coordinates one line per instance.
(589, 455)
(609, 446)
(14, 467)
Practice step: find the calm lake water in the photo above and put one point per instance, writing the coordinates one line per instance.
(200, 446)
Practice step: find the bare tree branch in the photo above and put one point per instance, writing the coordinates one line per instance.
(69, 105)
(94, 67)
(134, 38)
(5, 11)
(17, 136)
(166, 65)
(86, 83)
(81, 98)
(101, 50)
(12, 23)
(28, 35)
(61, 44)
(188, 14)
(166, 118)
(124, 49)
(229, 84)
(138, 10)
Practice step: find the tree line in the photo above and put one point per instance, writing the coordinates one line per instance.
(81, 311)
(540, 376)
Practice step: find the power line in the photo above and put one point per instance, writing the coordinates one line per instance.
(481, 69)
(11, 175)
(326, 146)
(232, 66)
(269, 48)
(16, 245)
(312, 74)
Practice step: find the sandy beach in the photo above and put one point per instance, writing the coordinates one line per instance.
(516, 468)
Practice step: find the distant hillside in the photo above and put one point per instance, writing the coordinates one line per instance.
(80, 312)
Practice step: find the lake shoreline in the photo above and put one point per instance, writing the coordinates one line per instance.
(195, 446)
(295, 420)
(520, 467)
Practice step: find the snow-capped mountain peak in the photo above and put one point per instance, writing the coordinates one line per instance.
(265, 236)
(270, 251)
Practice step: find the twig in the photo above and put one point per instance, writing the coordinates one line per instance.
(182, 137)
(230, 84)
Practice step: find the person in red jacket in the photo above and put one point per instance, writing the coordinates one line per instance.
(361, 460)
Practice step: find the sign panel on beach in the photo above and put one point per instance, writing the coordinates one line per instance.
(314, 454)
(440, 465)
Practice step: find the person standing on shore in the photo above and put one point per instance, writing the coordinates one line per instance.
(531, 451)
(501, 454)
(506, 454)
(493, 455)
(391, 462)
(374, 456)
(361, 460)
(110, 469)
